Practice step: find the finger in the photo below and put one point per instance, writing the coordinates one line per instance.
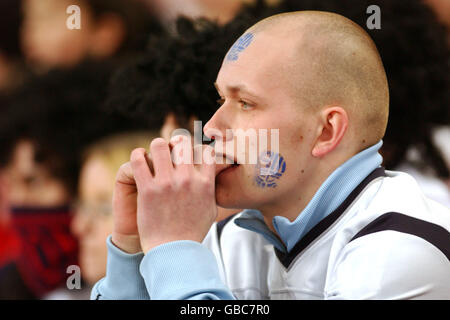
(162, 162)
(141, 171)
(208, 165)
(182, 154)
(149, 160)
(125, 174)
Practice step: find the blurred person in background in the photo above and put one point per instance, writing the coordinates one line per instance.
(11, 65)
(215, 10)
(12, 74)
(109, 28)
(93, 221)
(174, 81)
(45, 127)
(442, 10)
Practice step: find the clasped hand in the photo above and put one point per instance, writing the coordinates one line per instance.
(164, 196)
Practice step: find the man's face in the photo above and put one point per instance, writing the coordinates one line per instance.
(256, 93)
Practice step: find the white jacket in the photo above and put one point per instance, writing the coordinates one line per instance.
(385, 241)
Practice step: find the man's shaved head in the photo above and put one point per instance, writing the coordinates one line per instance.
(317, 79)
(333, 61)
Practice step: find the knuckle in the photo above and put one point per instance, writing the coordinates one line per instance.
(136, 155)
(124, 167)
(158, 143)
(206, 183)
(165, 186)
(147, 191)
(185, 182)
(177, 139)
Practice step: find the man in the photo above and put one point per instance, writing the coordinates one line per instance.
(327, 223)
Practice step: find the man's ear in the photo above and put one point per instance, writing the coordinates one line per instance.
(108, 35)
(334, 123)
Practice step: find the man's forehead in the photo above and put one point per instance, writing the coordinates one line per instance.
(260, 45)
(255, 59)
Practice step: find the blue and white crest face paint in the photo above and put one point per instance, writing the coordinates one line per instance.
(239, 46)
(269, 169)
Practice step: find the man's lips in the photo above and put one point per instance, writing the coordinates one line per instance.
(227, 163)
(225, 167)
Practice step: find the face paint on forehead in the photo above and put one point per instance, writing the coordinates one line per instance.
(269, 169)
(239, 46)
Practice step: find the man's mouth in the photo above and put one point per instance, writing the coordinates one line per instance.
(227, 168)
(227, 163)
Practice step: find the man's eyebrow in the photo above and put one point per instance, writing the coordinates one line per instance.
(235, 89)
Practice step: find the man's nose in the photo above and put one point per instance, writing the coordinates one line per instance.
(217, 128)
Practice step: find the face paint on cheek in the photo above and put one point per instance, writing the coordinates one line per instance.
(269, 169)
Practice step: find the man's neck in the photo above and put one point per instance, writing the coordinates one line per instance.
(294, 202)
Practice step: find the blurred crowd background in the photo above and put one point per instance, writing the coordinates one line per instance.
(74, 103)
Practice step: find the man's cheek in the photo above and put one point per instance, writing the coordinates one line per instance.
(269, 170)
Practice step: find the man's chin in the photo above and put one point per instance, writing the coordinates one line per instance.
(225, 199)
(227, 203)
(231, 198)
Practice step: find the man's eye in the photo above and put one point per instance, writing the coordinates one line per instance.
(245, 105)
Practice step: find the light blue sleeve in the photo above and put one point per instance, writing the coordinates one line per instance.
(123, 280)
(183, 270)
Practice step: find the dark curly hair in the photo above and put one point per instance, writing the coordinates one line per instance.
(60, 113)
(178, 73)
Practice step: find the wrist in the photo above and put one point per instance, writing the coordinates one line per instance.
(127, 243)
(150, 245)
